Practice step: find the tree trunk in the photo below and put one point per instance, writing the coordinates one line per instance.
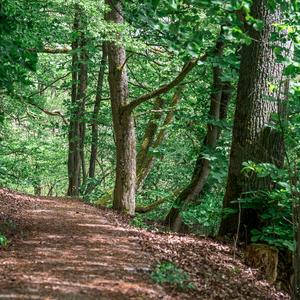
(202, 168)
(95, 132)
(150, 133)
(257, 101)
(123, 123)
(83, 81)
(74, 148)
(77, 122)
(145, 160)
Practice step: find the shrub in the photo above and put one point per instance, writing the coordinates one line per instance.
(169, 273)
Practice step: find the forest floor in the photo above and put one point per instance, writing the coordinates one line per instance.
(66, 249)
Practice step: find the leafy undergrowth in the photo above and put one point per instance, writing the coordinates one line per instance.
(103, 248)
(212, 270)
(169, 274)
(199, 268)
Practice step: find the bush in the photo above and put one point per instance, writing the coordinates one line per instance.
(169, 273)
(3, 240)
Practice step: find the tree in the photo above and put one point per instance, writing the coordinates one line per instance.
(153, 139)
(219, 99)
(76, 136)
(260, 94)
(125, 183)
(124, 191)
(95, 133)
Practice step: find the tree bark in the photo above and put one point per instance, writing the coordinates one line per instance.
(74, 149)
(152, 139)
(202, 168)
(150, 133)
(95, 130)
(123, 123)
(77, 122)
(83, 81)
(253, 138)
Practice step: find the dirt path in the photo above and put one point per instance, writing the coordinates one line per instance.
(65, 249)
(71, 250)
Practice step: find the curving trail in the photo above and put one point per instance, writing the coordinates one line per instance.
(66, 249)
(70, 250)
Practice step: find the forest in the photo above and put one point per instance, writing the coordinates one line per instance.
(150, 149)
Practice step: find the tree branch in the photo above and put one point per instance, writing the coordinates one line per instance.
(53, 113)
(49, 85)
(152, 206)
(50, 50)
(167, 87)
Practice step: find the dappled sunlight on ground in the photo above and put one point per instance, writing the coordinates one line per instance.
(71, 251)
(65, 249)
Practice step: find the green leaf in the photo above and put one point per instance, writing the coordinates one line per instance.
(155, 4)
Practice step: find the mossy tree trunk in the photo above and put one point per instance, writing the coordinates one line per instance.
(153, 137)
(220, 96)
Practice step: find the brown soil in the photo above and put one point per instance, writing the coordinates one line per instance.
(70, 250)
(65, 249)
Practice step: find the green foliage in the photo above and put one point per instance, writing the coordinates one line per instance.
(15, 38)
(273, 207)
(138, 221)
(205, 217)
(169, 273)
(3, 240)
(159, 36)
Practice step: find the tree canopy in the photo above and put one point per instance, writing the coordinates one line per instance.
(177, 112)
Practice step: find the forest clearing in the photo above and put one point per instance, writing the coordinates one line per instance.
(150, 149)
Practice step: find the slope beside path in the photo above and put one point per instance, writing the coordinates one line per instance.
(66, 249)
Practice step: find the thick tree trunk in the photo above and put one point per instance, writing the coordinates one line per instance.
(219, 101)
(257, 101)
(77, 122)
(123, 123)
(95, 130)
